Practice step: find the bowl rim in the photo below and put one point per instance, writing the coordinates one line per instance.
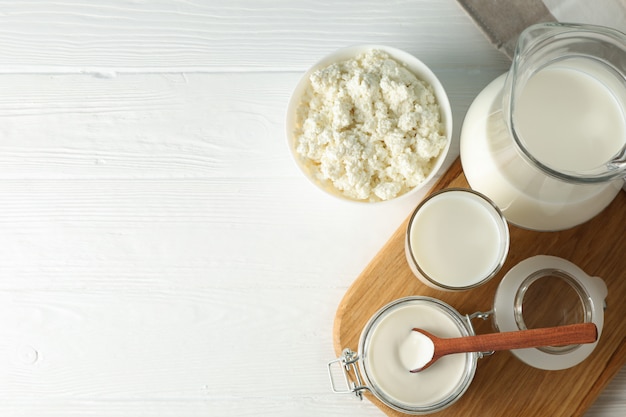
(411, 62)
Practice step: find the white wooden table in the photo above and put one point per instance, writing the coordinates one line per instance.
(161, 255)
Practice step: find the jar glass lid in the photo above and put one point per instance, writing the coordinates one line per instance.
(546, 291)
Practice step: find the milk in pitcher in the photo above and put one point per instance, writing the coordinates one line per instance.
(569, 121)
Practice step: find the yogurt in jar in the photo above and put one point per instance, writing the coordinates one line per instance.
(416, 351)
(386, 346)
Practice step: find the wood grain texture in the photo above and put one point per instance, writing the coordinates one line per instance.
(503, 384)
(570, 334)
(160, 254)
(224, 36)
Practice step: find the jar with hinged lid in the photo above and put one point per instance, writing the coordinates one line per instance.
(524, 300)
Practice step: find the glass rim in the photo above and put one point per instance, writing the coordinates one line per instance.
(502, 227)
(584, 300)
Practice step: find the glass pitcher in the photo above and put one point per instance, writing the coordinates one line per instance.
(547, 140)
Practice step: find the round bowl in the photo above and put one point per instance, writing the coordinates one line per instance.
(414, 65)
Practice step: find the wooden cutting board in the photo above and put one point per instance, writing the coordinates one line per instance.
(503, 385)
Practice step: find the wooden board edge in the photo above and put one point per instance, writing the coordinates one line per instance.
(612, 368)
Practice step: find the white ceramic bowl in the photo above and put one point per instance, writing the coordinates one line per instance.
(417, 67)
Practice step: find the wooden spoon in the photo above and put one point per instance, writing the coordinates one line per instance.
(549, 336)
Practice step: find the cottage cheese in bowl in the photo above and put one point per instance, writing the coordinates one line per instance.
(369, 123)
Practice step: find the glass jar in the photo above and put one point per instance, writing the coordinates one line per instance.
(524, 300)
(381, 371)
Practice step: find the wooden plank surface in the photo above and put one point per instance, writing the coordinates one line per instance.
(503, 385)
(160, 252)
(143, 212)
(222, 36)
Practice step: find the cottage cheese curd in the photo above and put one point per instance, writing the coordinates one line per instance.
(369, 127)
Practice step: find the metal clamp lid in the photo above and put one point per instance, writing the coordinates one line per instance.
(483, 316)
(349, 365)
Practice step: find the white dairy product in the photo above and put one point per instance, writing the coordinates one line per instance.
(569, 120)
(528, 197)
(369, 127)
(388, 372)
(457, 238)
(416, 350)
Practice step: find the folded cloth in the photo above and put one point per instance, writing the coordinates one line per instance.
(503, 20)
